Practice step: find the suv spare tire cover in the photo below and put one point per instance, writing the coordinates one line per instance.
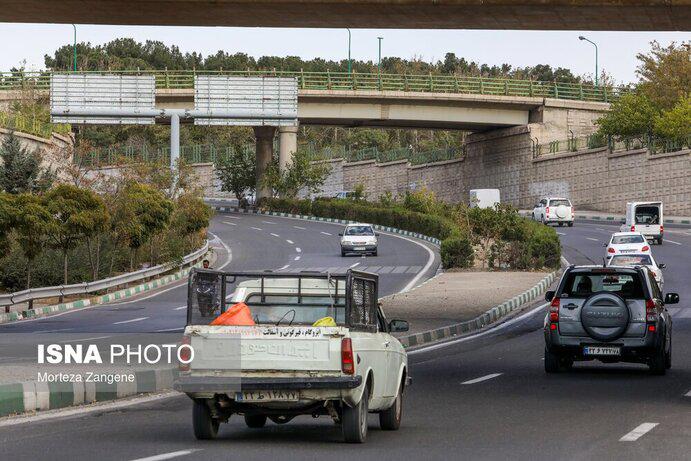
(562, 211)
(605, 316)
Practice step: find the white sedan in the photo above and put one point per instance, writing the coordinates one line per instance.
(640, 260)
(359, 238)
(627, 243)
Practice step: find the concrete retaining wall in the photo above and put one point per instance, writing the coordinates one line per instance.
(55, 152)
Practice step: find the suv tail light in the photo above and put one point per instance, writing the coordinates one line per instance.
(645, 248)
(547, 210)
(185, 353)
(554, 313)
(650, 313)
(347, 360)
(611, 250)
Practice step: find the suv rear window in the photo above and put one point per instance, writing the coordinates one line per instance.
(559, 202)
(625, 239)
(584, 284)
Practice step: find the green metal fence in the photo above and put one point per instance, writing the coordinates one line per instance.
(19, 122)
(594, 141)
(430, 83)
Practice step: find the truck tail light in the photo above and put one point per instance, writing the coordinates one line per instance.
(547, 210)
(633, 228)
(650, 312)
(611, 250)
(347, 358)
(645, 248)
(185, 353)
(662, 228)
(554, 311)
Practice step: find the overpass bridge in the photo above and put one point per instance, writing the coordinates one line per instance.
(400, 14)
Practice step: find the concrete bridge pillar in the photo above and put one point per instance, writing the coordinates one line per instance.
(264, 138)
(288, 145)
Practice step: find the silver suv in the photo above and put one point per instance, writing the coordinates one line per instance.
(611, 314)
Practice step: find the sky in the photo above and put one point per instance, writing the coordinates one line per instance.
(617, 50)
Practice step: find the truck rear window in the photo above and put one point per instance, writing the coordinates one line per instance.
(285, 309)
(647, 215)
(584, 284)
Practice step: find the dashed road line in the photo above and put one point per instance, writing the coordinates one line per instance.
(229, 223)
(256, 228)
(268, 222)
(297, 258)
(170, 329)
(138, 319)
(560, 233)
(594, 240)
(639, 432)
(301, 228)
(180, 308)
(298, 249)
(275, 235)
(482, 378)
(327, 233)
(171, 455)
(356, 264)
(688, 394)
(284, 267)
(672, 241)
(290, 241)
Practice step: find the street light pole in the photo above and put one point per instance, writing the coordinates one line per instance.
(595, 45)
(75, 48)
(350, 63)
(379, 62)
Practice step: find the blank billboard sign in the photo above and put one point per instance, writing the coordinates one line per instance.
(102, 99)
(275, 97)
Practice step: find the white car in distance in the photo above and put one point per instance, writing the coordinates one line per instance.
(554, 210)
(359, 238)
(626, 243)
(640, 260)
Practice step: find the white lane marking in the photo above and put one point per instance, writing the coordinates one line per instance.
(430, 261)
(80, 411)
(560, 233)
(256, 228)
(298, 249)
(234, 217)
(171, 455)
(138, 319)
(180, 308)
(268, 222)
(275, 235)
(356, 264)
(672, 241)
(229, 223)
(54, 331)
(284, 267)
(600, 228)
(290, 241)
(170, 329)
(481, 378)
(229, 258)
(301, 228)
(297, 258)
(326, 233)
(594, 240)
(639, 432)
(688, 394)
(83, 339)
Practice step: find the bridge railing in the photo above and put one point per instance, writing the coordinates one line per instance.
(19, 122)
(653, 144)
(429, 83)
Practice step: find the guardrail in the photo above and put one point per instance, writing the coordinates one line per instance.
(33, 294)
(594, 141)
(429, 83)
(19, 122)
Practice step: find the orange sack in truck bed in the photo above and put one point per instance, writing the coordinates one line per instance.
(237, 314)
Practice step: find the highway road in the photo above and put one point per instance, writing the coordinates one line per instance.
(484, 397)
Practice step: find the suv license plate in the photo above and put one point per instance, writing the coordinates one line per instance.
(601, 350)
(267, 396)
(359, 248)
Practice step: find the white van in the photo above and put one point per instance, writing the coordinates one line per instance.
(646, 218)
(484, 198)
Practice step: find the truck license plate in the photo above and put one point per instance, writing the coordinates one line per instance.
(602, 350)
(267, 396)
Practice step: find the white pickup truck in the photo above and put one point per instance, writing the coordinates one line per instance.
(300, 344)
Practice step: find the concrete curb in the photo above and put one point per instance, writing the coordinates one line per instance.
(491, 316)
(17, 398)
(393, 230)
(81, 303)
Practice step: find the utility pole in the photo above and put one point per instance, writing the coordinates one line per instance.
(75, 48)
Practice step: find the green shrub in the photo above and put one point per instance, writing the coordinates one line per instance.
(456, 252)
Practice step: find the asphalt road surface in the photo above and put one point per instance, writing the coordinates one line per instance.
(487, 397)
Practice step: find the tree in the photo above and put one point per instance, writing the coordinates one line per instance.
(20, 169)
(632, 115)
(237, 172)
(140, 211)
(675, 124)
(665, 73)
(76, 214)
(302, 173)
(7, 219)
(31, 226)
